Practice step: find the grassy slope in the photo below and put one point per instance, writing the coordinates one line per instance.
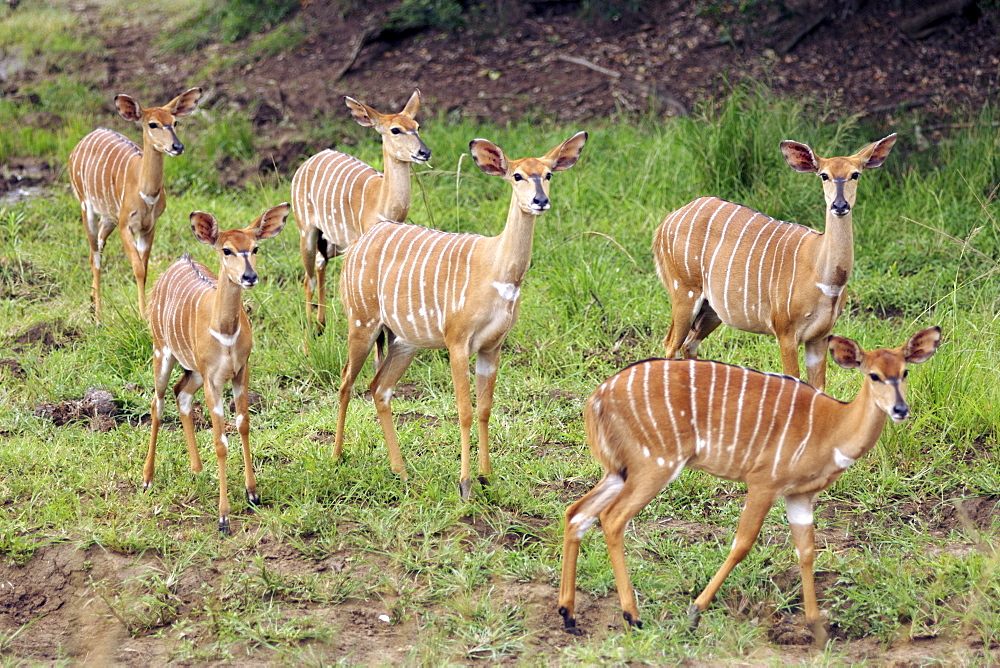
(592, 304)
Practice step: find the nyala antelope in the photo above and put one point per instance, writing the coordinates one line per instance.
(726, 263)
(336, 197)
(430, 289)
(199, 322)
(120, 184)
(777, 434)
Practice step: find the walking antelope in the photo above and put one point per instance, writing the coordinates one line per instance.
(777, 434)
(725, 263)
(199, 322)
(430, 289)
(120, 184)
(336, 197)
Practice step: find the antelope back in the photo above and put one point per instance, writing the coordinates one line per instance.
(744, 260)
(98, 170)
(333, 191)
(411, 278)
(722, 419)
(179, 294)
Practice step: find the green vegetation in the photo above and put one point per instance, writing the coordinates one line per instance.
(462, 582)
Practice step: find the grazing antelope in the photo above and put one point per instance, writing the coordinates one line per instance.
(120, 184)
(775, 433)
(430, 289)
(725, 263)
(199, 322)
(336, 197)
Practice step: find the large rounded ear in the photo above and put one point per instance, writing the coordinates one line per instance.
(412, 105)
(185, 103)
(874, 154)
(566, 154)
(846, 353)
(361, 113)
(799, 157)
(205, 227)
(128, 107)
(922, 345)
(488, 157)
(270, 222)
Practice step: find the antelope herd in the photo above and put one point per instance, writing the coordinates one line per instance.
(407, 287)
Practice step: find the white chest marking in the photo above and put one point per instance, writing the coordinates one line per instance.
(830, 290)
(507, 291)
(149, 200)
(226, 340)
(841, 460)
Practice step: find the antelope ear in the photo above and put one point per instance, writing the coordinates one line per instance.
(566, 154)
(270, 222)
(846, 353)
(488, 157)
(128, 107)
(874, 154)
(205, 227)
(799, 157)
(363, 115)
(922, 345)
(185, 103)
(412, 105)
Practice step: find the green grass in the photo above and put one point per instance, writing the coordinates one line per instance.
(455, 578)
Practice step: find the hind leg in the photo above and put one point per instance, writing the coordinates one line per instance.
(704, 324)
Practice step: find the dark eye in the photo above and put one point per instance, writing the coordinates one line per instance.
(856, 175)
(254, 251)
(874, 377)
(153, 126)
(518, 177)
(825, 177)
(548, 177)
(226, 251)
(395, 131)
(906, 372)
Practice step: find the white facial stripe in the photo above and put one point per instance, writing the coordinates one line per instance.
(830, 290)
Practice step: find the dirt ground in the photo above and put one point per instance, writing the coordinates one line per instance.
(540, 59)
(537, 60)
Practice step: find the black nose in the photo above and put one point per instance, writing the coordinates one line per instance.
(900, 412)
(424, 153)
(540, 203)
(840, 207)
(177, 147)
(250, 278)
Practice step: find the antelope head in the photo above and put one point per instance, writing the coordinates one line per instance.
(529, 177)
(158, 122)
(400, 132)
(237, 249)
(840, 175)
(885, 370)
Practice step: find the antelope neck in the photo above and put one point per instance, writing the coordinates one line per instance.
(394, 197)
(858, 425)
(513, 246)
(228, 305)
(150, 171)
(835, 251)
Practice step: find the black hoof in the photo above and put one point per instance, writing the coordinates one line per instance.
(632, 623)
(569, 623)
(223, 526)
(484, 480)
(253, 498)
(465, 489)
